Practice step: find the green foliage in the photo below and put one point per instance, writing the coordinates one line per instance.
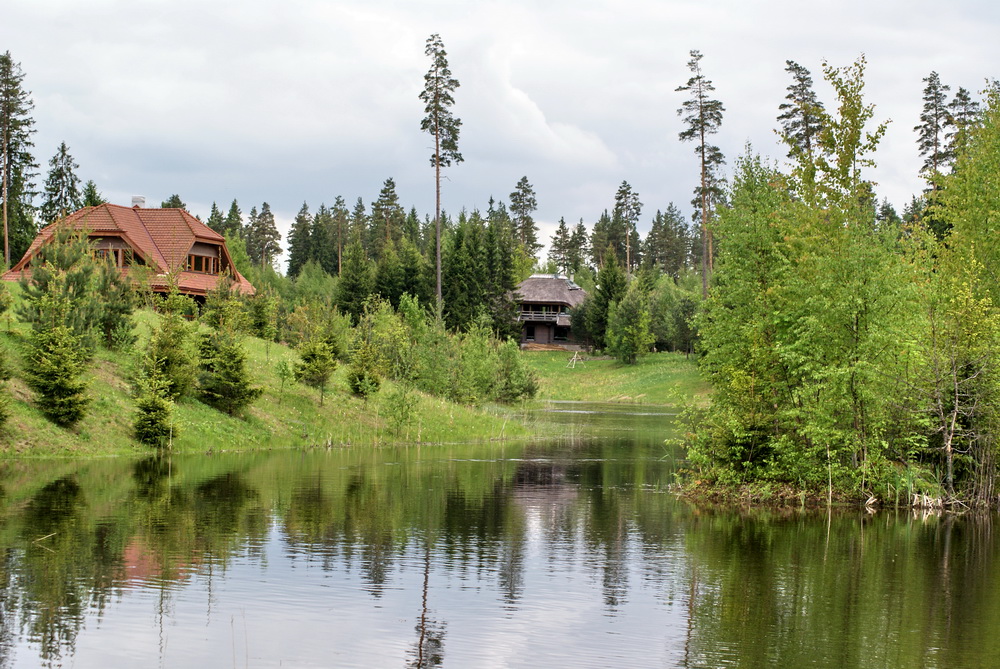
(629, 335)
(62, 187)
(154, 411)
(17, 171)
(63, 267)
(611, 287)
(55, 361)
(117, 300)
(223, 379)
(316, 365)
(169, 350)
(400, 407)
(364, 372)
(223, 309)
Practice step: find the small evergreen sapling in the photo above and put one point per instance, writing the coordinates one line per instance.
(223, 380)
(54, 364)
(153, 422)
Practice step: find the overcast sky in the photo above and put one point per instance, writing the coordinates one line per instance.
(303, 100)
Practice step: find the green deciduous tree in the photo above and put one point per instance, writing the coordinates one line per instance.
(443, 126)
(316, 364)
(62, 187)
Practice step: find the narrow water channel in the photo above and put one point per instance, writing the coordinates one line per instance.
(567, 553)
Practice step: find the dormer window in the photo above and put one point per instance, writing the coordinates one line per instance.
(203, 258)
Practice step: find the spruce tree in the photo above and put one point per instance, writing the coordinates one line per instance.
(935, 120)
(389, 277)
(223, 379)
(153, 423)
(62, 187)
(321, 234)
(355, 281)
(703, 117)
(233, 224)
(611, 285)
(300, 241)
(387, 220)
(579, 248)
(438, 97)
(55, 362)
(16, 162)
(215, 220)
(668, 244)
(339, 233)
(90, 196)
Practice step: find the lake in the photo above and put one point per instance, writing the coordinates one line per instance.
(567, 553)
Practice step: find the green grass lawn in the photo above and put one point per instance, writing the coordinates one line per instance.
(659, 378)
(284, 416)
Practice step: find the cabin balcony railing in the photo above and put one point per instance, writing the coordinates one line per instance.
(538, 316)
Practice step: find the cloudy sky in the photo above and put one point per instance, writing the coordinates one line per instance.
(303, 100)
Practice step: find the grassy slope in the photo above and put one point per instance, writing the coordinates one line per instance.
(288, 418)
(660, 378)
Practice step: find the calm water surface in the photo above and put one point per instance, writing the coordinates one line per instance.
(564, 554)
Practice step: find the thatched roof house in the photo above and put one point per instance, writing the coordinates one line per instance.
(165, 240)
(545, 303)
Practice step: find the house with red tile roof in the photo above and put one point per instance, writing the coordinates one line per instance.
(164, 240)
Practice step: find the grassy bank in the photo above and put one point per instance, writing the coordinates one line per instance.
(283, 417)
(660, 378)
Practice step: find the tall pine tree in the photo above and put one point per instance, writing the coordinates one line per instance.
(16, 162)
(800, 115)
(935, 120)
(437, 96)
(522, 204)
(703, 117)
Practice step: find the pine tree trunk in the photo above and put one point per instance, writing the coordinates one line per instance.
(437, 207)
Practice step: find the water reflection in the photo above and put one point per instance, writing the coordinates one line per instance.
(566, 553)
